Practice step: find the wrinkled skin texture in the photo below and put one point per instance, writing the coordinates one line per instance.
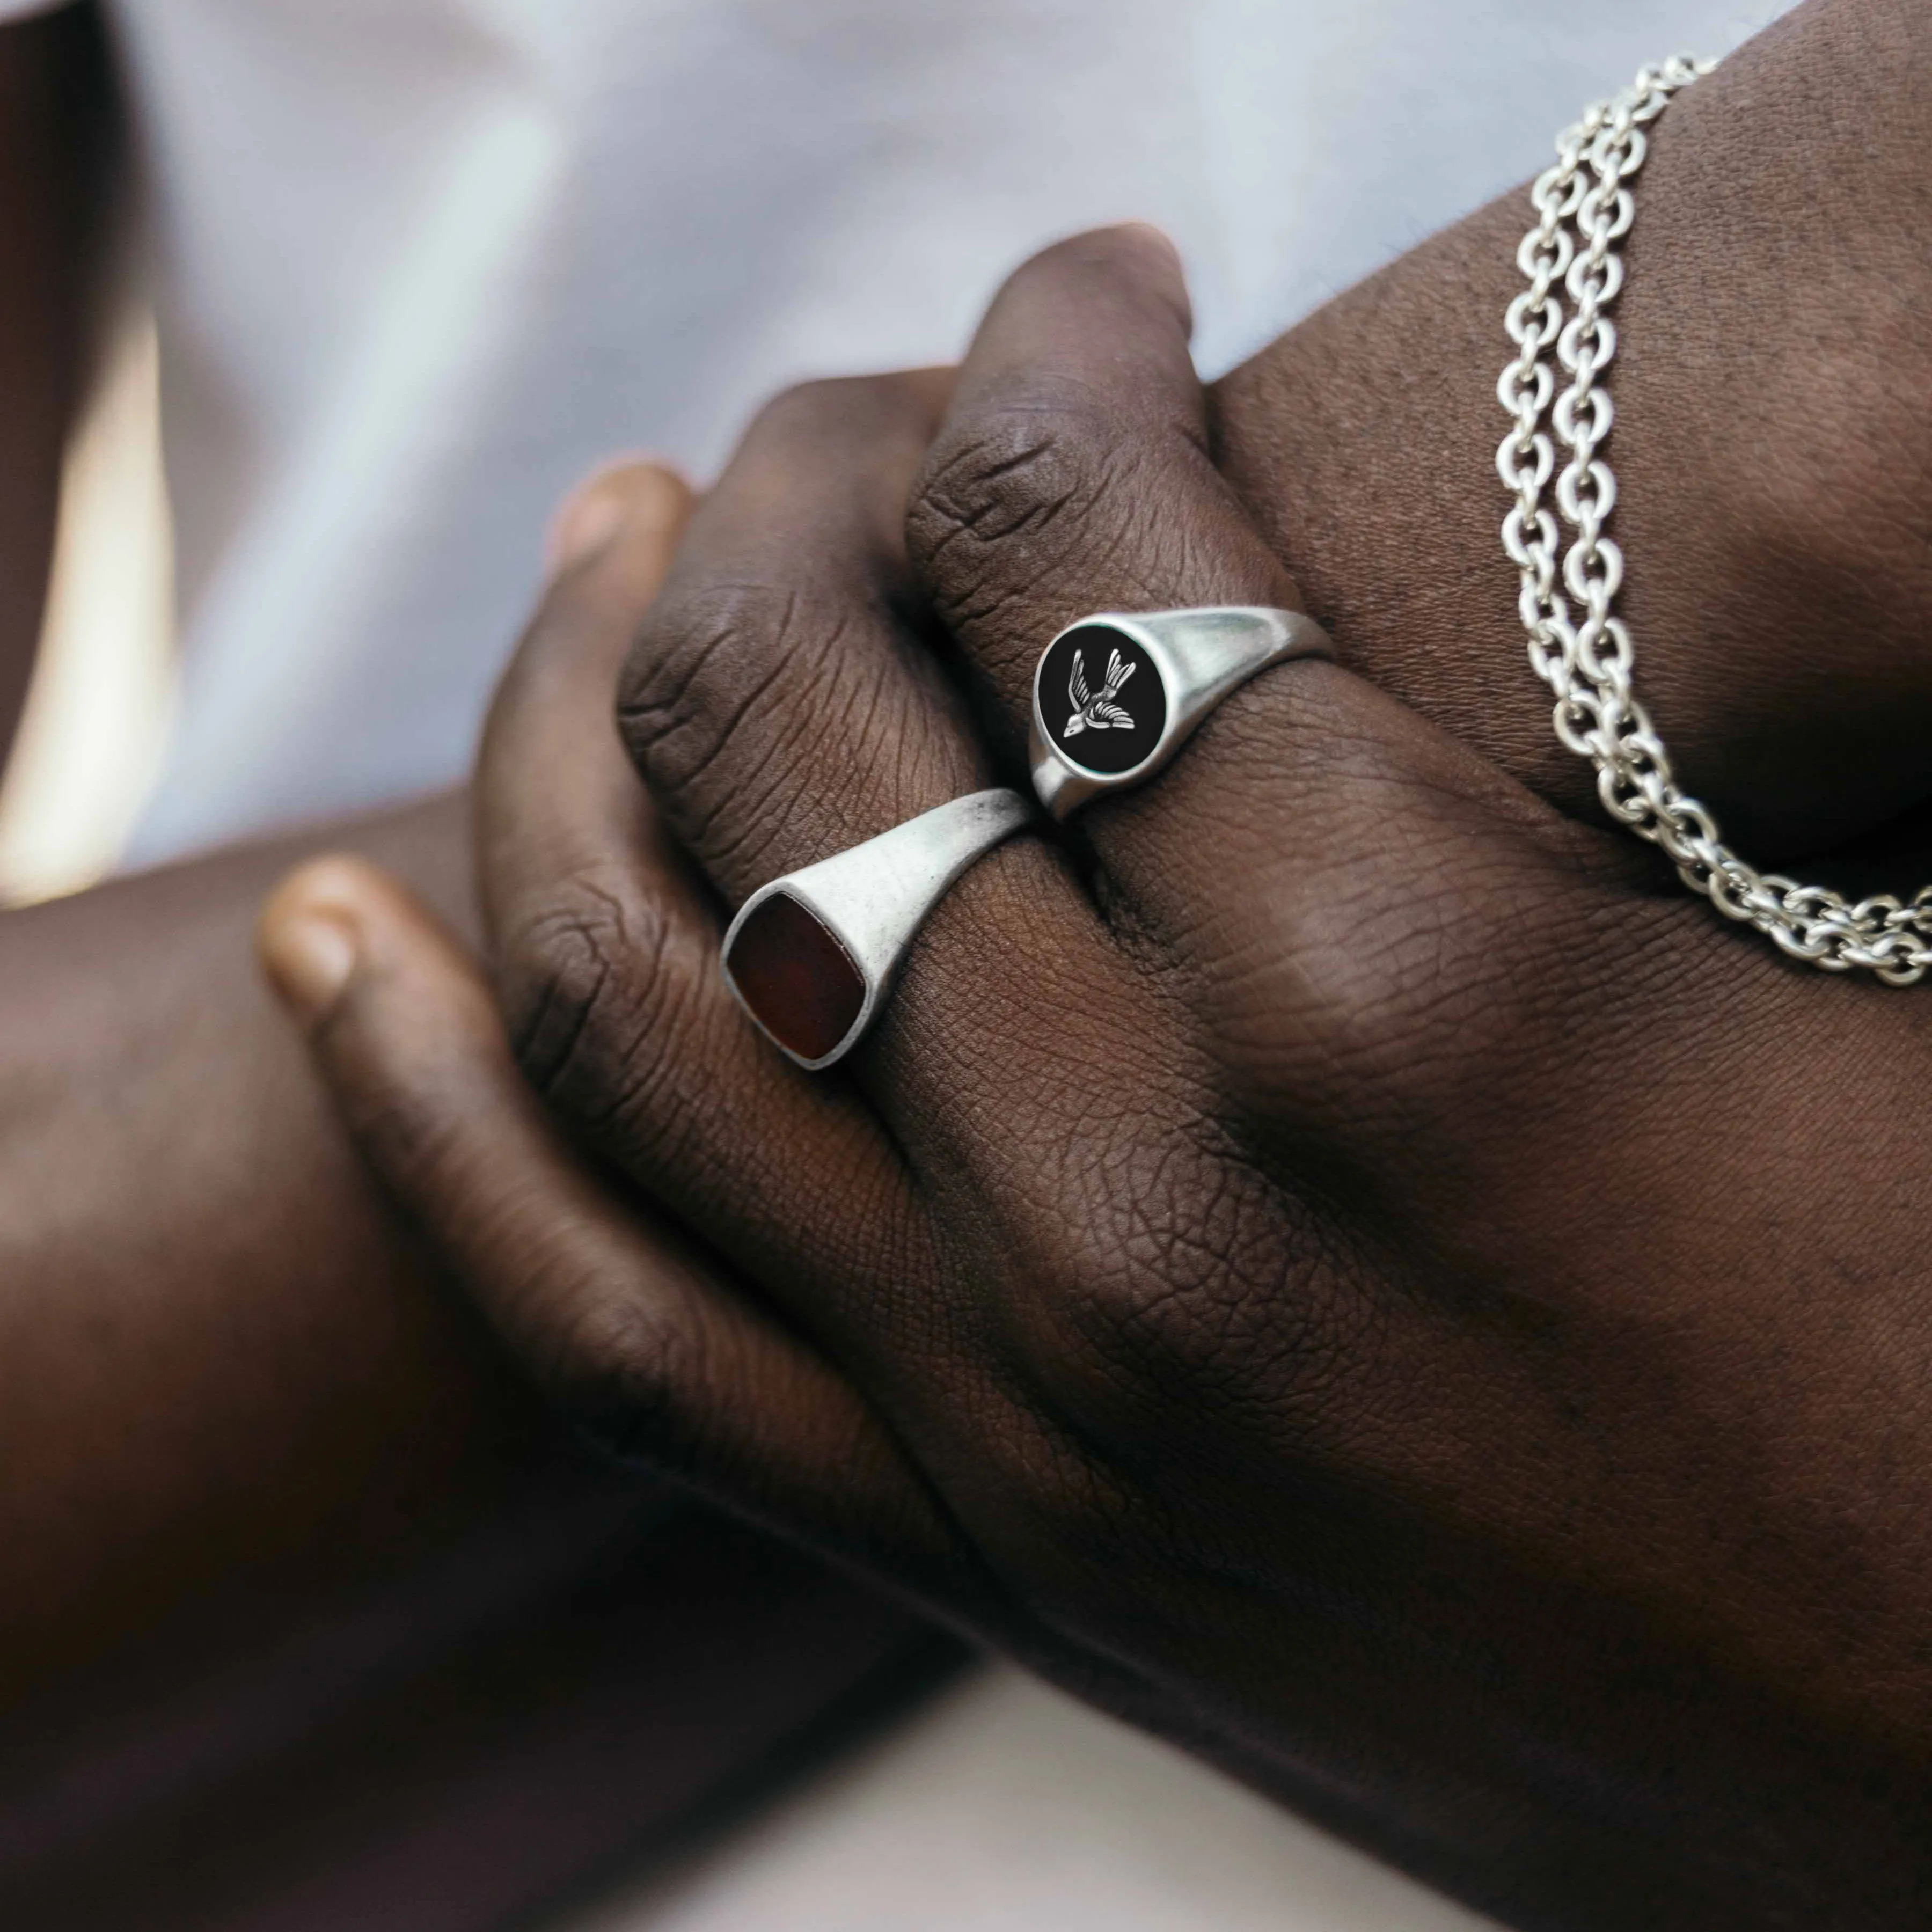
(1335, 1257)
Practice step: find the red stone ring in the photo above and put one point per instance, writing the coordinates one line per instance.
(1117, 694)
(811, 957)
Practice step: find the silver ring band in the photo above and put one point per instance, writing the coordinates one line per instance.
(1116, 695)
(811, 956)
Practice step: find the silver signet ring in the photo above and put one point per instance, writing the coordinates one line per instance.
(811, 957)
(1115, 695)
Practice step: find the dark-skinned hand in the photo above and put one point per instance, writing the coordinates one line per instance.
(1335, 1259)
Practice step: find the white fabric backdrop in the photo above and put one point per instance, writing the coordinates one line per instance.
(423, 261)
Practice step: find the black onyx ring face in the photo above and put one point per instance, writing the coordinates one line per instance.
(1102, 704)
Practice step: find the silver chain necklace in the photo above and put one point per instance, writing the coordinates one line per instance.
(1584, 206)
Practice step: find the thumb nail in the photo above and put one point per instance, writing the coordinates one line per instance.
(631, 488)
(588, 520)
(310, 956)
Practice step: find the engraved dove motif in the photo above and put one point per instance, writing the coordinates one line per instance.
(1096, 711)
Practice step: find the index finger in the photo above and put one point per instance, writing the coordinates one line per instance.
(605, 947)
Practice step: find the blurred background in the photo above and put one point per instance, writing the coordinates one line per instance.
(102, 700)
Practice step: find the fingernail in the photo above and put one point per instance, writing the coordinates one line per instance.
(629, 489)
(589, 518)
(310, 956)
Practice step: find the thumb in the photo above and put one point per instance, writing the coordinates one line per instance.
(644, 1340)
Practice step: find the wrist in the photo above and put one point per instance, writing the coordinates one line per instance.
(1774, 389)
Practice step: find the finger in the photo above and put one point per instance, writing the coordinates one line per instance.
(642, 1338)
(1073, 475)
(611, 545)
(776, 700)
(782, 708)
(1072, 472)
(605, 947)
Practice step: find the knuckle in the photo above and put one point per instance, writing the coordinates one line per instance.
(734, 695)
(617, 1370)
(726, 697)
(692, 670)
(1187, 1291)
(827, 406)
(803, 405)
(1383, 964)
(593, 981)
(1005, 491)
(1403, 1019)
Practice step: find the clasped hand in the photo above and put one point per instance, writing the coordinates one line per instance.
(1333, 1256)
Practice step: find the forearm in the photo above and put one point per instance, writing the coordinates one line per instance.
(224, 1371)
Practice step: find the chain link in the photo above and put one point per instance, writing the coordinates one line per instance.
(1584, 206)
